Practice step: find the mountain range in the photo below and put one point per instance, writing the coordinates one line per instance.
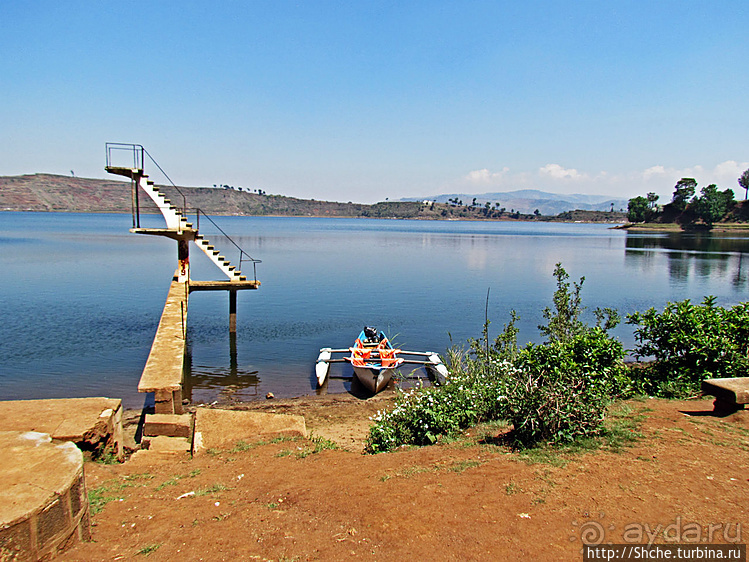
(528, 200)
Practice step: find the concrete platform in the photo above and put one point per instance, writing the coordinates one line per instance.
(43, 501)
(94, 424)
(221, 429)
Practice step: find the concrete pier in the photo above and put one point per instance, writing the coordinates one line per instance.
(163, 373)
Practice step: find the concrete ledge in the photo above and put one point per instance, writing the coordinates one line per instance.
(43, 501)
(221, 429)
(94, 424)
(169, 425)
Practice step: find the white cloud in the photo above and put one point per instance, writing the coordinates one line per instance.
(552, 177)
(558, 172)
(724, 175)
(485, 176)
(654, 172)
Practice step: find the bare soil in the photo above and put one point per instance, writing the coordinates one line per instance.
(686, 479)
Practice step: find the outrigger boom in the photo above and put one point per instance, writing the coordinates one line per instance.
(434, 366)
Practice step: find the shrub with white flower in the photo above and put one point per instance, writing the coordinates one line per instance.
(552, 392)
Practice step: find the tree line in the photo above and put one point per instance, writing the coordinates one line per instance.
(711, 206)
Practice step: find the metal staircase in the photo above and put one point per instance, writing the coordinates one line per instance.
(177, 225)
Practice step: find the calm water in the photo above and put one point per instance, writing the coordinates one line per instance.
(81, 297)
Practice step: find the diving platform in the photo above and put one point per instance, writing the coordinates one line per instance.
(223, 285)
(163, 374)
(187, 234)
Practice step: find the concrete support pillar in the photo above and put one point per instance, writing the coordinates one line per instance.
(183, 257)
(232, 311)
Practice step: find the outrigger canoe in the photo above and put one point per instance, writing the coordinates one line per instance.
(374, 360)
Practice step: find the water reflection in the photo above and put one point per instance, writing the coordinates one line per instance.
(703, 255)
(208, 383)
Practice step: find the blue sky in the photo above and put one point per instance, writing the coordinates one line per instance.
(362, 101)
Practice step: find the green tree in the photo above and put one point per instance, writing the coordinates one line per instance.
(744, 183)
(638, 209)
(713, 204)
(683, 192)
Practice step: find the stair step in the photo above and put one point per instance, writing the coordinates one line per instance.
(200, 237)
(216, 252)
(232, 267)
(188, 224)
(242, 278)
(171, 425)
(220, 258)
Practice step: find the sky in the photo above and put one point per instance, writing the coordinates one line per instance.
(368, 100)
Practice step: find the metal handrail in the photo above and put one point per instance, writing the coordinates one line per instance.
(242, 253)
(139, 154)
(134, 148)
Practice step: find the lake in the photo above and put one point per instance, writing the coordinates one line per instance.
(81, 296)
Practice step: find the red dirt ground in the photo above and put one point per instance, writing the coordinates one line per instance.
(470, 499)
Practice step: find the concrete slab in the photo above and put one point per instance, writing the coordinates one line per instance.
(43, 501)
(92, 423)
(732, 390)
(221, 429)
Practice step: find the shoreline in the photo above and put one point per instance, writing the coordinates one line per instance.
(544, 219)
(673, 227)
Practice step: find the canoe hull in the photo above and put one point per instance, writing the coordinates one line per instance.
(322, 366)
(372, 378)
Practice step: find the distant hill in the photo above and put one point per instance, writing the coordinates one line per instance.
(48, 192)
(528, 200)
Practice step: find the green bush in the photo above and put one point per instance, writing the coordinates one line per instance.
(561, 389)
(552, 392)
(690, 343)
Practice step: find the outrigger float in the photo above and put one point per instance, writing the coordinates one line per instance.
(374, 361)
